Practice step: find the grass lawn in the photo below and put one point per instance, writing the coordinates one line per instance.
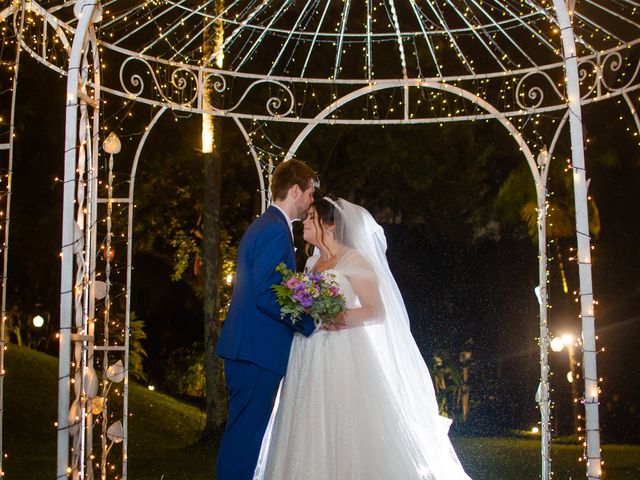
(163, 430)
(505, 458)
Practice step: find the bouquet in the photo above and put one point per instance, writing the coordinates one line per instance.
(315, 293)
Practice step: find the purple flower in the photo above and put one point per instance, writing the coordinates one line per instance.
(315, 277)
(303, 298)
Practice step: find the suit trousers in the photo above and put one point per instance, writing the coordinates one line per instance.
(252, 391)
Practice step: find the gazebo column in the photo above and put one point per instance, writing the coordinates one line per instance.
(86, 12)
(543, 395)
(592, 429)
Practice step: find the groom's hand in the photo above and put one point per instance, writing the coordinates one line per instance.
(305, 325)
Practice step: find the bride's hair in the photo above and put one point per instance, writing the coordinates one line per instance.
(324, 207)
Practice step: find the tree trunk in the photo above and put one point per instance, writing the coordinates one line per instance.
(216, 394)
(216, 400)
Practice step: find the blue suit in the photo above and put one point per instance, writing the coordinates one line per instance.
(255, 343)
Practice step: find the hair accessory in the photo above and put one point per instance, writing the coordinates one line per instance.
(334, 203)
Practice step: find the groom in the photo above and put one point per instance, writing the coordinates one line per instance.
(255, 341)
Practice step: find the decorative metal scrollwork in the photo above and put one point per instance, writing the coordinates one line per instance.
(276, 105)
(182, 89)
(220, 83)
(614, 76)
(535, 93)
(588, 73)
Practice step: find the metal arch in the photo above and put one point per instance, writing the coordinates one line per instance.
(132, 181)
(134, 169)
(539, 171)
(633, 110)
(143, 140)
(556, 137)
(130, 213)
(433, 84)
(256, 160)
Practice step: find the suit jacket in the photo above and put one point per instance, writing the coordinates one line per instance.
(253, 330)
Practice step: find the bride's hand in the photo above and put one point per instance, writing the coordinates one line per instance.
(339, 323)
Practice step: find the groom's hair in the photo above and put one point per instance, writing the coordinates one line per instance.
(290, 173)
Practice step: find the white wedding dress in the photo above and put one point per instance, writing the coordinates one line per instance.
(339, 416)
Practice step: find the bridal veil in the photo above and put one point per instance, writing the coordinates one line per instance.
(406, 372)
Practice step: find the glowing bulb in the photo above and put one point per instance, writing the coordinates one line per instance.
(38, 321)
(557, 344)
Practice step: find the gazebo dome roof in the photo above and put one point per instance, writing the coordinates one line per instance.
(367, 39)
(346, 61)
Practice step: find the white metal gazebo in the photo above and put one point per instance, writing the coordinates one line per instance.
(528, 64)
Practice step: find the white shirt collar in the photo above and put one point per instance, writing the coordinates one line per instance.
(289, 221)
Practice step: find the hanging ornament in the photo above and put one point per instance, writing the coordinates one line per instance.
(115, 372)
(112, 144)
(543, 157)
(115, 432)
(99, 289)
(91, 382)
(97, 405)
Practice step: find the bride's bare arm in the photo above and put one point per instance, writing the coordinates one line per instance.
(371, 309)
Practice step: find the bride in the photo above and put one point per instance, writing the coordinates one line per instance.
(357, 400)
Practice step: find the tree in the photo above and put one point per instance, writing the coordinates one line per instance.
(214, 372)
(216, 405)
(516, 201)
